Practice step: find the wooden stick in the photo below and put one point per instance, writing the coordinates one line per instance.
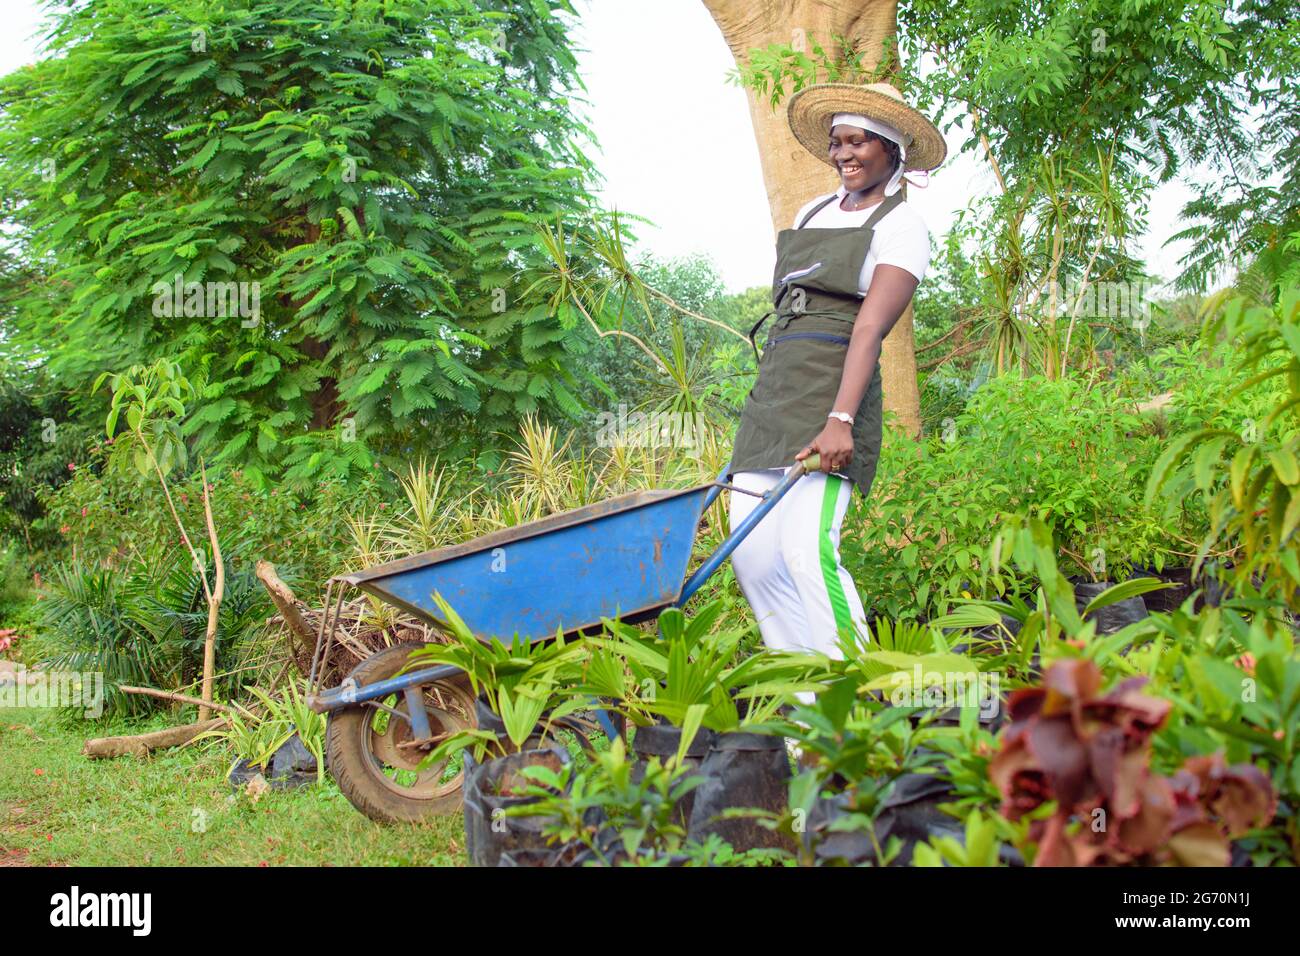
(957, 352)
(959, 327)
(214, 599)
(179, 698)
(282, 597)
(140, 745)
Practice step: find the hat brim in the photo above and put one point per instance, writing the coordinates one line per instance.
(810, 111)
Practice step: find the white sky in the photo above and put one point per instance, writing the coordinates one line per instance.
(677, 146)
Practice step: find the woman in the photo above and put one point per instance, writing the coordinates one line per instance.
(844, 274)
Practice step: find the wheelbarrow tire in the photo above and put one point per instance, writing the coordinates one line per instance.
(356, 768)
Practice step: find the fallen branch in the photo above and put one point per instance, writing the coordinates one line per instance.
(286, 603)
(100, 748)
(179, 698)
(957, 352)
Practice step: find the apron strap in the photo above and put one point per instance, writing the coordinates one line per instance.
(754, 332)
(880, 210)
(816, 209)
(877, 213)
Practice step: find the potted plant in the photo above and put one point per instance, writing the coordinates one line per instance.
(868, 791)
(524, 689)
(687, 683)
(284, 744)
(1109, 806)
(607, 813)
(518, 686)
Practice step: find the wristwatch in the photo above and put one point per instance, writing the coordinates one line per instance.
(844, 417)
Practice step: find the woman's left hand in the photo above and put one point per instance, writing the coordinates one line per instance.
(834, 445)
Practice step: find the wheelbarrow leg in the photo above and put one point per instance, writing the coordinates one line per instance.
(607, 724)
(418, 716)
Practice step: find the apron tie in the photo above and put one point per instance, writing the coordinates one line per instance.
(754, 332)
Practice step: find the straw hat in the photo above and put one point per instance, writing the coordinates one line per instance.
(810, 111)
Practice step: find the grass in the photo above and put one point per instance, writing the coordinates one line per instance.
(176, 809)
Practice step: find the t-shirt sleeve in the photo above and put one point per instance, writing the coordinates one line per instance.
(905, 244)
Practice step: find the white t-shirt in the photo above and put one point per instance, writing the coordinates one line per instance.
(900, 237)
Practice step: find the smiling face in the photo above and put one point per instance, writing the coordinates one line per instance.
(863, 159)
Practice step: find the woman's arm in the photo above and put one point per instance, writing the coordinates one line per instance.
(890, 291)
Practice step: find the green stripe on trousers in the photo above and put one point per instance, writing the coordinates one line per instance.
(826, 551)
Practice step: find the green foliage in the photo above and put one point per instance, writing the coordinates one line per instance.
(1073, 456)
(1253, 471)
(1162, 87)
(348, 210)
(855, 747)
(142, 624)
(1231, 672)
(153, 399)
(607, 799)
(590, 279)
(256, 737)
(1247, 707)
(796, 65)
(979, 848)
(16, 606)
(525, 683)
(692, 675)
(41, 444)
(98, 514)
(628, 374)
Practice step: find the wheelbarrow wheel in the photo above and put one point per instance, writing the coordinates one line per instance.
(370, 748)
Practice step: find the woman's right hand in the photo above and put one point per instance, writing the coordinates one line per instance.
(834, 445)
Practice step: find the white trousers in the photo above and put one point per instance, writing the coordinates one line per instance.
(789, 566)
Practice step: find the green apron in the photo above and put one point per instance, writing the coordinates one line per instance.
(815, 300)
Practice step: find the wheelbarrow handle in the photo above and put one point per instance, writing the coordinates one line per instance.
(738, 534)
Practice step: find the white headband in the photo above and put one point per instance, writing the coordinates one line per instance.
(891, 133)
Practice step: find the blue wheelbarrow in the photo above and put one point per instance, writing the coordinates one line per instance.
(624, 559)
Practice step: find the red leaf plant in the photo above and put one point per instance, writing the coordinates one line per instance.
(1091, 755)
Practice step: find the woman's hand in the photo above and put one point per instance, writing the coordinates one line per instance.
(834, 445)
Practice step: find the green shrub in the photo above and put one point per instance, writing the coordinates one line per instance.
(142, 624)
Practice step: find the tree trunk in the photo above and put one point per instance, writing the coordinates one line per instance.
(791, 175)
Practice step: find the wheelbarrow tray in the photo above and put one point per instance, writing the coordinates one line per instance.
(623, 558)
